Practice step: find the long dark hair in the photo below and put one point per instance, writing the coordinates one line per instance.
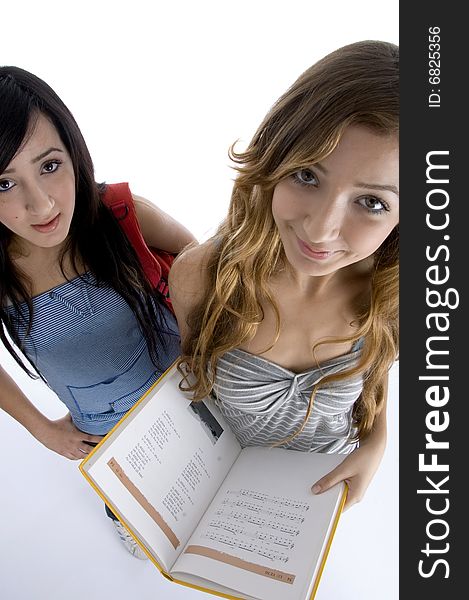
(95, 238)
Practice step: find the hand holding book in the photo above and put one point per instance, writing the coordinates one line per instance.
(210, 514)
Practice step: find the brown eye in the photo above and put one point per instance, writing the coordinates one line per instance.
(6, 185)
(305, 177)
(51, 166)
(373, 204)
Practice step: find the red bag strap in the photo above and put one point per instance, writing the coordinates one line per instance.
(118, 198)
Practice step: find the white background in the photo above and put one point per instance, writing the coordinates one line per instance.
(160, 91)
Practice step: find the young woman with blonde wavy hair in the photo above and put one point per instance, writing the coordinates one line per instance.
(289, 314)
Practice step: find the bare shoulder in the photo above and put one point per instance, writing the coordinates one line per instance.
(188, 273)
(143, 206)
(188, 280)
(160, 229)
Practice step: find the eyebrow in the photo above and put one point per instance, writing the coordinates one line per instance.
(361, 184)
(39, 157)
(378, 186)
(45, 153)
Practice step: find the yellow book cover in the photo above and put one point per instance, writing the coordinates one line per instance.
(235, 522)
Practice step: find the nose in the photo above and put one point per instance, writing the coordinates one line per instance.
(323, 221)
(39, 203)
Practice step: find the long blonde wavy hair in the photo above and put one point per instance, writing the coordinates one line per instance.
(357, 84)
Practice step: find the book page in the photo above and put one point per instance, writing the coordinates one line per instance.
(162, 465)
(265, 531)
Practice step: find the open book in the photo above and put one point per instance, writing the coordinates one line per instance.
(238, 523)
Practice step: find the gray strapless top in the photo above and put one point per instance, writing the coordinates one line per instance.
(265, 403)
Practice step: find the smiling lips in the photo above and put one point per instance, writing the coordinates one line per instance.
(319, 254)
(47, 227)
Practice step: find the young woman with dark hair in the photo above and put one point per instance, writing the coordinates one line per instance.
(76, 308)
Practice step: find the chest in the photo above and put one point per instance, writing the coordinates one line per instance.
(42, 274)
(302, 323)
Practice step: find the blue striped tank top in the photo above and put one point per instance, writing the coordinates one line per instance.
(265, 403)
(86, 342)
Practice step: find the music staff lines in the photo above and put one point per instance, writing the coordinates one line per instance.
(259, 509)
(289, 502)
(255, 533)
(241, 544)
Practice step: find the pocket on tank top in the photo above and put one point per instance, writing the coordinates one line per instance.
(116, 394)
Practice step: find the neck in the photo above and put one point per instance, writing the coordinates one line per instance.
(20, 248)
(310, 285)
(320, 286)
(30, 258)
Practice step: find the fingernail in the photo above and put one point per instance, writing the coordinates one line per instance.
(316, 488)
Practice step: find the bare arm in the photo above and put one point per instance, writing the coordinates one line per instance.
(188, 282)
(61, 435)
(159, 229)
(360, 466)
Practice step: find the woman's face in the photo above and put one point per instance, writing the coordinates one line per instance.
(339, 211)
(37, 190)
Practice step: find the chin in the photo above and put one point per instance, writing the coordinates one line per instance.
(58, 240)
